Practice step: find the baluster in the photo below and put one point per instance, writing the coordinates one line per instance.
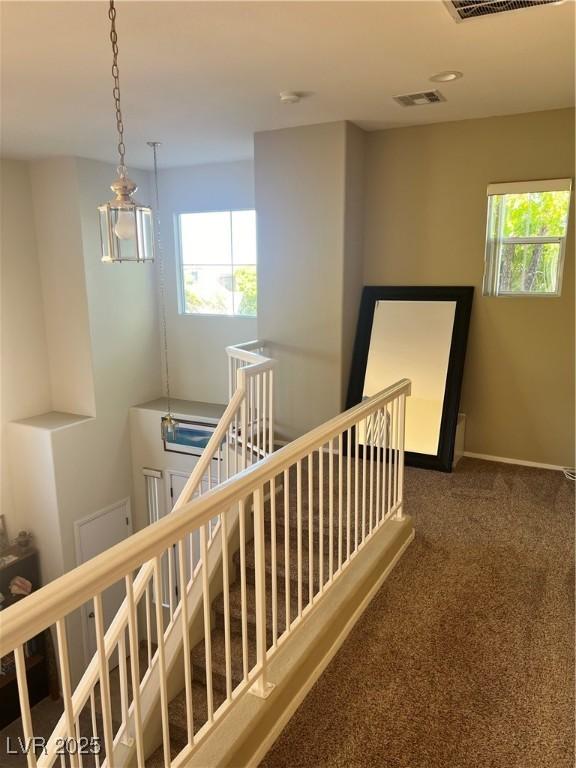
(148, 625)
(340, 501)
(287, 546)
(299, 531)
(186, 643)
(162, 662)
(95, 737)
(244, 427)
(401, 428)
(377, 440)
(384, 439)
(104, 680)
(123, 678)
(28, 733)
(63, 659)
(321, 517)
(207, 628)
(264, 421)
(371, 484)
(226, 596)
(79, 751)
(348, 490)
(356, 483)
(390, 456)
(251, 421)
(134, 667)
(274, 563)
(364, 456)
(396, 451)
(310, 529)
(261, 687)
(271, 412)
(242, 527)
(330, 510)
(171, 582)
(258, 416)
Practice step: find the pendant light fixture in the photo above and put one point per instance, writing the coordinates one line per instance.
(168, 424)
(126, 230)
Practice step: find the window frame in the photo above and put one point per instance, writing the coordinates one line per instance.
(493, 251)
(180, 264)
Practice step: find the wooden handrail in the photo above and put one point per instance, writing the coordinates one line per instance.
(65, 594)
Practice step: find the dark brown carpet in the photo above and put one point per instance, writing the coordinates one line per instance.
(465, 656)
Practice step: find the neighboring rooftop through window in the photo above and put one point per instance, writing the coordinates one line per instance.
(218, 263)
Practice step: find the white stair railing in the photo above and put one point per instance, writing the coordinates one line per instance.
(253, 376)
(359, 453)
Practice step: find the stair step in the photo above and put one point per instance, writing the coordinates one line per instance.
(178, 722)
(219, 659)
(236, 608)
(177, 707)
(177, 743)
(293, 562)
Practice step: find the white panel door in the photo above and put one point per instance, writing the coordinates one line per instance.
(94, 535)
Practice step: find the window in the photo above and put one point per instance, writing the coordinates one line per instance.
(218, 263)
(525, 239)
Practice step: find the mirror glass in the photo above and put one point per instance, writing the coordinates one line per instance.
(411, 339)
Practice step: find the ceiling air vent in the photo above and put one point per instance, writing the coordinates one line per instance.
(462, 10)
(417, 99)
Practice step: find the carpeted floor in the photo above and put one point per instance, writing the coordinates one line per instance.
(465, 657)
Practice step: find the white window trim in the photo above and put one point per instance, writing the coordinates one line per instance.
(180, 267)
(492, 254)
(523, 187)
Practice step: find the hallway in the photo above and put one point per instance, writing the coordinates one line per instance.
(465, 656)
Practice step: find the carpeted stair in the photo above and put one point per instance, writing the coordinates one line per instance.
(177, 708)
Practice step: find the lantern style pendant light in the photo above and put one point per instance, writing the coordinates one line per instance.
(126, 230)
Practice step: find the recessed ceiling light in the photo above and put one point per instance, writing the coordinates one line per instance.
(446, 77)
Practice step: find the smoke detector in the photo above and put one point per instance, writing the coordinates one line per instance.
(419, 99)
(464, 10)
(289, 97)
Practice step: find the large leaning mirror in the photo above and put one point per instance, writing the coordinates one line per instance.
(418, 334)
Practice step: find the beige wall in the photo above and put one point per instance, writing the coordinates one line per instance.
(425, 222)
(299, 176)
(198, 363)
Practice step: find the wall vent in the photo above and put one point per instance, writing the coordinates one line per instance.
(418, 99)
(463, 10)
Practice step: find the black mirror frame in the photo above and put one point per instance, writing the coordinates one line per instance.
(463, 296)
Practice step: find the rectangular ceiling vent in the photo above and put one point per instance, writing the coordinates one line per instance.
(418, 99)
(463, 10)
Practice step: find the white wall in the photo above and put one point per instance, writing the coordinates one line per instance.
(24, 371)
(92, 460)
(103, 346)
(198, 364)
(58, 231)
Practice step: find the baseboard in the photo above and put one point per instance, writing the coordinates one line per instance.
(288, 712)
(520, 462)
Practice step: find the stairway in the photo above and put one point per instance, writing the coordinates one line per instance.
(177, 708)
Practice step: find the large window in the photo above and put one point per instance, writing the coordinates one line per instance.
(218, 263)
(525, 239)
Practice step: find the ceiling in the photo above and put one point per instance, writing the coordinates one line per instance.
(202, 77)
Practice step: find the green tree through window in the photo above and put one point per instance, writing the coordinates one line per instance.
(526, 235)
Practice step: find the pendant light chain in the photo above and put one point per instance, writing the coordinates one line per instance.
(162, 282)
(116, 89)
